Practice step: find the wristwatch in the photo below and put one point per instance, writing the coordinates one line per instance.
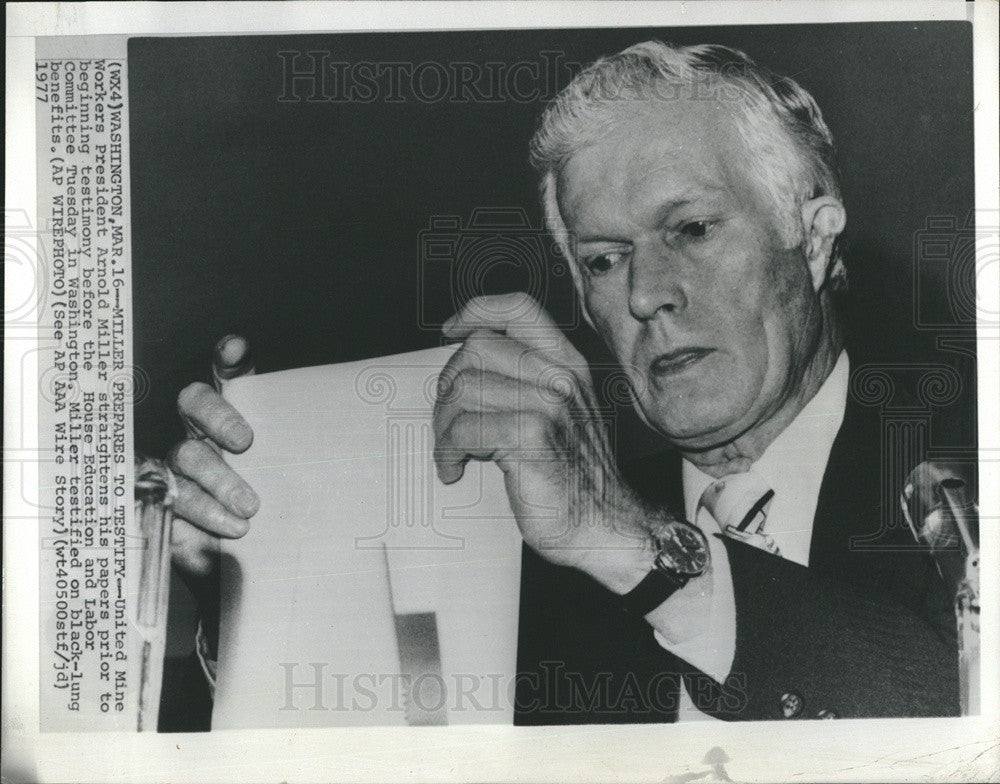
(681, 554)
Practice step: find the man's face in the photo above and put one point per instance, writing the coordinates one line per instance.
(684, 271)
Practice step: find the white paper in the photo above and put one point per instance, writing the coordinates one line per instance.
(342, 461)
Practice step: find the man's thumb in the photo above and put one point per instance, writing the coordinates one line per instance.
(230, 359)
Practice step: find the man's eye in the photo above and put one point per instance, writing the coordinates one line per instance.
(697, 229)
(598, 265)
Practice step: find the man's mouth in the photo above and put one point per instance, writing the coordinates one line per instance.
(679, 360)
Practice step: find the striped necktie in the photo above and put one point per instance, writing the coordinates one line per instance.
(739, 503)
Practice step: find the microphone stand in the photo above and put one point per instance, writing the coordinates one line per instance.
(942, 515)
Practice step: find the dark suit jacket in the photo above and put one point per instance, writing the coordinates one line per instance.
(863, 631)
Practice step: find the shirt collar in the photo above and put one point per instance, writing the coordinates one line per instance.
(798, 456)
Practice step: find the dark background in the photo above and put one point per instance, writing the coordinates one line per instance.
(298, 224)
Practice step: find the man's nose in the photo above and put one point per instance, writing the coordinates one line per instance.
(654, 284)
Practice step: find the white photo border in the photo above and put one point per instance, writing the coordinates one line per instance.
(886, 750)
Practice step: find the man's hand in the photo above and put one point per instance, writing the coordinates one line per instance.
(518, 393)
(212, 500)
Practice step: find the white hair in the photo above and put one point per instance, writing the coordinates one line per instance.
(790, 148)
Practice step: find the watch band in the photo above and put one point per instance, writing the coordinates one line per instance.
(654, 589)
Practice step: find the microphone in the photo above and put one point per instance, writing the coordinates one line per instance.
(942, 515)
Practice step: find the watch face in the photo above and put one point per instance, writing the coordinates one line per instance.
(683, 548)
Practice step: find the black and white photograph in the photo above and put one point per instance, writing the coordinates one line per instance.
(519, 377)
(699, 363)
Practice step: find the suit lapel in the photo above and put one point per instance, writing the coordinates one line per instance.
(854, 540)
(849, 504)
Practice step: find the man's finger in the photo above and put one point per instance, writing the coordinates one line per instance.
(197, 460)
(521, 318)
(485, 391)
(517, 315)
(504, 438)
(199, 508)
(499, 312)
(488, 351)
(209, 414)
(194, 551)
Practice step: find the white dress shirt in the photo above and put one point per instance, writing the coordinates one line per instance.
(793, 465)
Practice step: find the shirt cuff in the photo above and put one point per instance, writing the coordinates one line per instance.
(713, 650)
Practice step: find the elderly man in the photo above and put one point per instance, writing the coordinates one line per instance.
(694, 194)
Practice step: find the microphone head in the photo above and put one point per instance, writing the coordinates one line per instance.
(938, 507)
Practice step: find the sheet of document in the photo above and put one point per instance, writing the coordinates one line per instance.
(354, 531)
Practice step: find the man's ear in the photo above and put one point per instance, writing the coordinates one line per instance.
(823, 219)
